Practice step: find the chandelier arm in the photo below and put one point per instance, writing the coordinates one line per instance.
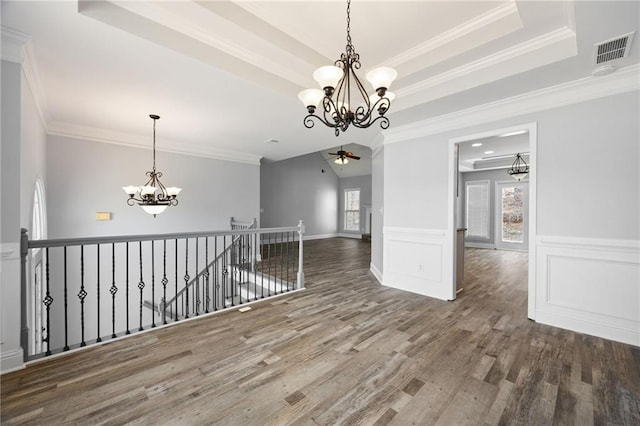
(384, 123)
(381, 105)
(309, 123)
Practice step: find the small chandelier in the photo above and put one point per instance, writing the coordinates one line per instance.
(338, 82)
(519, 169)
(153, 196)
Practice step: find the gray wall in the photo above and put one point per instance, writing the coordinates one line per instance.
(85, 177)
(362, 182)
(296, 189)
(377, 200)
(597, 139)
(10, 352)
(492, 176)
(33, 142)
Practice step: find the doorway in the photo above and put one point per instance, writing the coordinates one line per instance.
(515, 238)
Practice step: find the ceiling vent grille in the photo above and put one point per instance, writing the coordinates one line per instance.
(612, 49)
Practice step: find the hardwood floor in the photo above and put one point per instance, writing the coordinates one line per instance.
(346, 351)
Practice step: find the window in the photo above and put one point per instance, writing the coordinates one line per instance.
(352, 209)
(477, 214)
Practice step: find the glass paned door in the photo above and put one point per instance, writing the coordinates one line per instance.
(511, 219)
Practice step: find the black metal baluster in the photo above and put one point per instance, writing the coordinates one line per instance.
(206, 274)
(127, 287)
(281, 274)
(48, 300)
(254, 267)
(197, 283)
(66, 318)
(288, 259)
(186, 278)
(140, 286)
(153, 284)
(81, 295)
(176, 280)
(269, 249)
(261, 267)
(165, 281)
(113, 290)
(99, 339)
(224, 270)
(216, 270)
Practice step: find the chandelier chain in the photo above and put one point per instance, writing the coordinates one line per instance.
(349, 43)
(154, 144)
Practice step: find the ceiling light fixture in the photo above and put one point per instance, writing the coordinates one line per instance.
(339, 82)
(153, 196)
(519, 169)
(489, 152)
(477, 144)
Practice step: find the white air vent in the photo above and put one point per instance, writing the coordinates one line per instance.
(612, 49)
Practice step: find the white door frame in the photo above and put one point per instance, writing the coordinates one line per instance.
(497, 226)
(452, 219)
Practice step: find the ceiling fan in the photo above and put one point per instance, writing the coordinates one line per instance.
(343, 156)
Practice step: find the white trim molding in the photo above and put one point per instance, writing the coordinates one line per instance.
(347, 235)
(12, 44)
(319, 236)
(11, 361)
(590, 285)
(472, 244)
(417, 260)
(118, 138)
(581, 90)
(376, 273)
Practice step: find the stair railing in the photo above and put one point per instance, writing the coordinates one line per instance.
(171, 306)
(94, 289)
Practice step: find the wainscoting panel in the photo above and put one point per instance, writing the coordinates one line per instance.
(590, 285)
(418, 260)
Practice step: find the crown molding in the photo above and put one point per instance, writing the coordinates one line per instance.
(488, 18)
(17, 47)
(573, 92)
(32, 76)
(117, 138)
(12, 43)
(223, 35)
(509, 55)
(376, 149)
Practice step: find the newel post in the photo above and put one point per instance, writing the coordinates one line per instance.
(300, 255)
(24, 327)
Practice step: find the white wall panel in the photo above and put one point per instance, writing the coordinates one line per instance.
(591, 286)
(415, 260)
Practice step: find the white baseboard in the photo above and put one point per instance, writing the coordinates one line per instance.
(376, 272)
(345, 235)
(11, 361)
(319, 237)
(471, 244)
(591, 286)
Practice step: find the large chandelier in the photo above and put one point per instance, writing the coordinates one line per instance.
(339, 82)
(153, 196)
(519, 169)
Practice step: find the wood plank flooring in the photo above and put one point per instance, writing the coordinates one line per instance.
(346, 351)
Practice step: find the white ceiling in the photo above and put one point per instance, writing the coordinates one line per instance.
(224, 75)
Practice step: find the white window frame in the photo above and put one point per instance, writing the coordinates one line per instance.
(485, 209)
(345, 211)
